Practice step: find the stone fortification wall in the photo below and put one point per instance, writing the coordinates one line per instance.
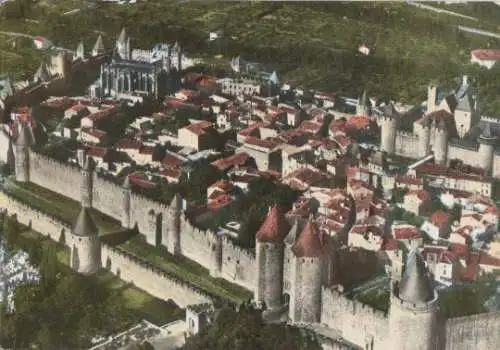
(58, 177)
(199, 245)
(407, 145)
(150, 279)
(473, 332)
(238, 265)
(35, 219)
(496, 165)
(128, 267)
(358, 322)
(107, 197)
(468, 155)
(142, 210)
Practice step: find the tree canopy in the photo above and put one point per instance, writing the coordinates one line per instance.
(245, 330)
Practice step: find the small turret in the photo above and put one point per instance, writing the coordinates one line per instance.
(424, 137)
(414, 304)
(269, 256)
(86, 247)
(432, 92)
(126, 192)
(80, 52)
(86, 182)
(487, 142)
(171, 233)
(98, 48)
(363, 107)
(388, 125)
(440, 146)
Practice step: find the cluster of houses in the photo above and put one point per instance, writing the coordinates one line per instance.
(314, 143)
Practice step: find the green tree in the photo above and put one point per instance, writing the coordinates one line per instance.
(49, 266)
(11, 231)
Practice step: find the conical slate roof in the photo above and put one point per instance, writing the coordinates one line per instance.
(416, 285)
(363, 100)
(311, 242)
(42, 74)
(123, 36)
(85, 225)
(275, 227)
(98, 46)
(80, 50)
(465, 103)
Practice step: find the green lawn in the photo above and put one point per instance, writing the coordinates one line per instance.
(59, 206)
(187, 270)
(141, 303)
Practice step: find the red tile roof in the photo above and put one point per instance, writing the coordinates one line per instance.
(224, 185)
(103, 113)
(98, 152)
(199, 128)
(227, 163)
(311, 242)
(275, 227)
(405, 232)
(128, 144)
(358, 122)
(421, 194)
(171, 161)
(220, 201)
(269, 143)
(172, 173)
(389, 243)
(440, 219)
(251, 130)
(94, 132)
(309, 126)
(486, 54)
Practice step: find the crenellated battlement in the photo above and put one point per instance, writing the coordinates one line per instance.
(352, 306)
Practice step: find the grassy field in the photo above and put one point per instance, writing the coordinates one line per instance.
(59, 206)
(311, 43)
(187, 270)
(140, 303)
(67, 209)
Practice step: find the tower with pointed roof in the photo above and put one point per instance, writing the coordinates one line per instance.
(440, 146)
(172, 228)
(464, 114)
(388, 125)
(307, 274)
(21, 153)
(85, 244)
(424, 138)
(269, 257)
(123, 45)
(98, 48)
(487, 142)
(414, 309)
(86, 182)
(80, 52)
(363, 106)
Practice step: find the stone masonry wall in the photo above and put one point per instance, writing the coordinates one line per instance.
(128, 267)
(153, 281)
(54, 175)
(407, 145)
(473, 332)
(356, 321)
(238, 265)
(107, 197)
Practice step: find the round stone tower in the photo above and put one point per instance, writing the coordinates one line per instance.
(86, 182)
(487, 143)
(86, 247)
(173, 237)
(388, 125)
(307, 275)
(269, 249)
(424, 138)
(414, 310)
(126, 194)
(440, 146)
(21, 154)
